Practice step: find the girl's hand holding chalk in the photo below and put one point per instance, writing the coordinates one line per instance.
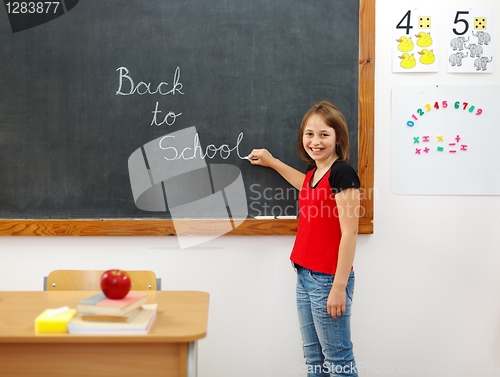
(260, 157)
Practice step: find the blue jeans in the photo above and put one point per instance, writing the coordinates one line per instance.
(326, 341)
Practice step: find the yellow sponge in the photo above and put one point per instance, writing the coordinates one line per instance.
(54, 320)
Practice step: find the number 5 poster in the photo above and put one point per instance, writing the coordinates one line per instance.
(415, 43)
(470, 47)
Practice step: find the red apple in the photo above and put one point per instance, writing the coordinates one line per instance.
(115, 284)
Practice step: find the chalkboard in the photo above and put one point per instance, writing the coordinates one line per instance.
(86, 90)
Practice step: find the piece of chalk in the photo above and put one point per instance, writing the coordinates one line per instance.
(263, 217)
(253, 159)
(286, 217)
(53, 312)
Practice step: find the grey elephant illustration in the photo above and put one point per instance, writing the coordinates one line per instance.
(482, 37)
(480, 63)
(458, 43)
(456, 58)
(475, 50)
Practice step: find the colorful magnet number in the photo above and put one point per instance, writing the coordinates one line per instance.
(444, 105)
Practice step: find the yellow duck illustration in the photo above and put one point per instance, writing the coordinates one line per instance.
(424, 39)
(426, 56)
(405, 44)
(407, 61)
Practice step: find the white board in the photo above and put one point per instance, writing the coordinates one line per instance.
(445, 140)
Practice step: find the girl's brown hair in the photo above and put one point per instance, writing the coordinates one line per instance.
(332, 116)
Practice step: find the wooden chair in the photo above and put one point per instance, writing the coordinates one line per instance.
(90, 280)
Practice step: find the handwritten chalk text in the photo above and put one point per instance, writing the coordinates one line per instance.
(189, 153)
(169, 119)
(145, 88)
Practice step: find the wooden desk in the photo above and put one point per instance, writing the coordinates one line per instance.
(169, 349)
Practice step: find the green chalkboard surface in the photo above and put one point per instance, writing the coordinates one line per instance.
(83, 91)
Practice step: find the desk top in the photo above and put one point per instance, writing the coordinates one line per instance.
(182, 317)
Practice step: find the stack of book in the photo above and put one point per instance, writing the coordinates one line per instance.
(100, 315)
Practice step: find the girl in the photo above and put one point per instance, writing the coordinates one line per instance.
(324, 247)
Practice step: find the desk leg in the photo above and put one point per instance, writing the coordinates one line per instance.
(192, 359)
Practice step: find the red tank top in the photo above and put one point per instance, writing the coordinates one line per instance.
(318, 237)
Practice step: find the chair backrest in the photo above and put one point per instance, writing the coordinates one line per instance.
(90, 280)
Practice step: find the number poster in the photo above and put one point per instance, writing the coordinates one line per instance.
(444, 140)
(471, 37)
(415, 41)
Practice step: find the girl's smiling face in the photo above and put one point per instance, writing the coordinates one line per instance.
(319, 140)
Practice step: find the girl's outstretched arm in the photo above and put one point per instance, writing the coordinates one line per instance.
(264, 158)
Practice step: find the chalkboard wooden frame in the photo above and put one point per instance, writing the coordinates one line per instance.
(163, 227)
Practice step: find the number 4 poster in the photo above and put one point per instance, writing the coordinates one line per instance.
(415, 43)
(471, 37)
